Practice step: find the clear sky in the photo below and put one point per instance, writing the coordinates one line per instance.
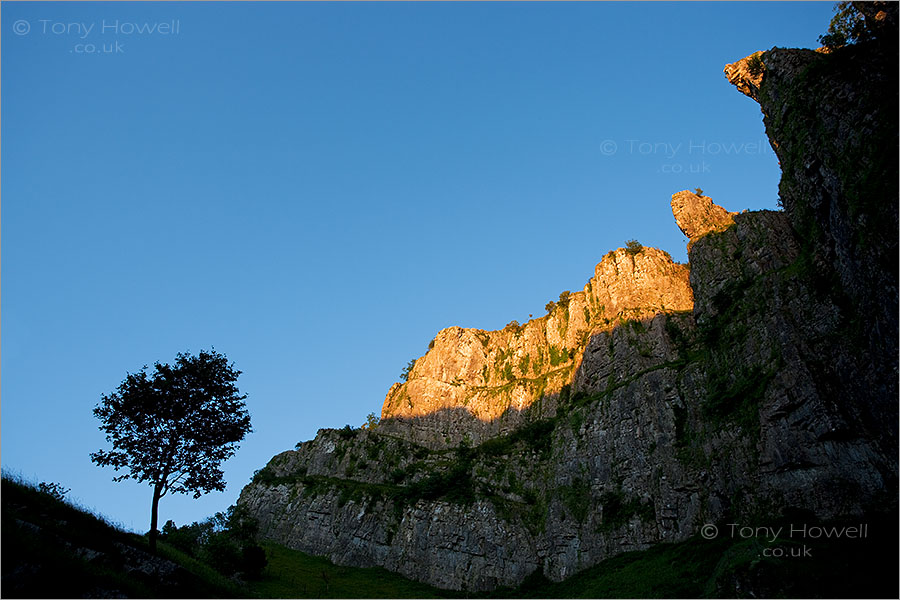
(316, 189)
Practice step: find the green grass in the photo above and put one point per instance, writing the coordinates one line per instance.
(293, 574)
(665, 571)
(681, 570)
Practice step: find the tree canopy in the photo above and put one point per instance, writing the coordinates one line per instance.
(173, 427)
(861, 22)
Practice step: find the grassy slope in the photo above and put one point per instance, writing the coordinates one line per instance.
(52, 549)
(44, 542)
(41, 535)
(293, 574)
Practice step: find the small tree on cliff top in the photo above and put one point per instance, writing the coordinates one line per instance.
(174, 428)
(633, 247)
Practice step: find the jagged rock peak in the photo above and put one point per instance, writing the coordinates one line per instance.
(697, 216)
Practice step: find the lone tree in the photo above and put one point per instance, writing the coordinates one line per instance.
(175, 426)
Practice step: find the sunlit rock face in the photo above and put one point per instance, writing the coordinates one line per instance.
(473, 384)
(697, 216)
(760, 381)
(746, 74)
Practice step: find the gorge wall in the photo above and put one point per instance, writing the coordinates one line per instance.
(760, 379)
(474, 384)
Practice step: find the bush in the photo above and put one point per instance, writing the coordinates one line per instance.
(633, 247)
(577, 498)
(54, 489)
(226, 542)
(558, 355)
(264, 475)
(755, 67)
(188, 538)
(538, 436)
(617, 510)
(372, 421)
(453, 484)
(404, 375)
(550, 307)
(253, 561)
(524, 363)
(347, 433)
(222, 553)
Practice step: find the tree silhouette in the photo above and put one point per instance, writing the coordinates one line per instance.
(174, 428)
(861, 22)
(404, 375)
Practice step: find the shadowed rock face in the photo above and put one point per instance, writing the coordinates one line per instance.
(756, 390)
(832, 121)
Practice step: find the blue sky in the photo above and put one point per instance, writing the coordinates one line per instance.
(316, 189)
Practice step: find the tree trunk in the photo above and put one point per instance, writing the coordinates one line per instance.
(154, 515)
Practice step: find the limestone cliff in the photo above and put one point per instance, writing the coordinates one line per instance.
(697, 215)
(642, 407)
(832, 119)
(474, 384)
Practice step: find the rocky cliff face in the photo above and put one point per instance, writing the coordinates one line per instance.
(474, 384)
(641, 407)
(832, 120)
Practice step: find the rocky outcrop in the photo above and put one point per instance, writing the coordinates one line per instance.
(473, 384)
(746, 74)
(696, 215)
(639, 408)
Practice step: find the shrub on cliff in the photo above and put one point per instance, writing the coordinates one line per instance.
(372, 421)
(633, 247)
(404, 374)
(513, 326)
(347, 432)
